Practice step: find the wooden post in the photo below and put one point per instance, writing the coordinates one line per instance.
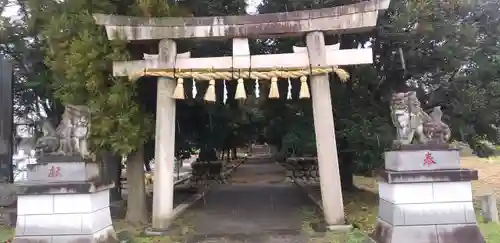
(324, 128)
(6, 122)
(163, 194)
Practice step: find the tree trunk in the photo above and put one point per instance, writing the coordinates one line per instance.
(147, 165)
(234, 153)
(346, 172)
(118, 176)
(149, 154)
(136, 199)
(111, 170)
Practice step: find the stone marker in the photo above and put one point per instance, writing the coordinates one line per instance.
(424, 195)
(489, 208)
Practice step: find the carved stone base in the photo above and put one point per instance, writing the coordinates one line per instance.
(415, 160)
(65, 213)
(106, 235)
(412, 147)
(449, 233)
(422, 205)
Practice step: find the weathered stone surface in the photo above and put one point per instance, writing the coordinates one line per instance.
(422, 160)
(303, 169)
(347, 18)
(106, 235)
(415, 147)
(427, 213)
(27, 188)
(62, 172)
(8, 194)
(440, 192)
(452, 233)
(426, 176)
(489, 208)
(387, 233)
(255, 62)
(65, 218)
(459, 233)
(425, 206)
(208, 172)
(8, 217)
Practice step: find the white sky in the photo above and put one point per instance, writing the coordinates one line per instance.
(11, 10)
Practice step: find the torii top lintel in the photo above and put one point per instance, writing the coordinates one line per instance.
(352, 18)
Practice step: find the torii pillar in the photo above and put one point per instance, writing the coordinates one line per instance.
(324, 128)
(163, 191)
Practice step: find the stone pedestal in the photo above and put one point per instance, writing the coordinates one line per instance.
(64, 201)
(425, 197)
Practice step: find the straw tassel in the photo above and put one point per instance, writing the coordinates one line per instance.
(240, 90)
(257, 88)
(225, 92)
(304, 89)
(273, 91)
(194, 90)
(289, 93)
(210, 94)
(179, 90)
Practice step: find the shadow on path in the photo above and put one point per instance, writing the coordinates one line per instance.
(257, 205)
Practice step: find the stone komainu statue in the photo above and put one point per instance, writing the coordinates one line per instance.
(436, 130)
(410, 120)
(70, 137)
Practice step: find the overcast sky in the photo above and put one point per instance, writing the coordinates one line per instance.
(11, 10)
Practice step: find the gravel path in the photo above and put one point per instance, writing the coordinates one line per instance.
(257, 205)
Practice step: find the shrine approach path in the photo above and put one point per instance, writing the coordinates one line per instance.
(257, 205)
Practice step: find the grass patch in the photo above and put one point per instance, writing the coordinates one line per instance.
(312, 216)
(491, 232)
(181, 228)
(6, 233)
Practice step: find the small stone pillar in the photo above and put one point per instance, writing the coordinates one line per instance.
(64, 200)
(425, 197)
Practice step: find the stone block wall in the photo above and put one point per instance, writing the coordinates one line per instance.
(208, 172)
(302, 169)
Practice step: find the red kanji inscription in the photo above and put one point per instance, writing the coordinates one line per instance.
(428, 159)
(55, 171)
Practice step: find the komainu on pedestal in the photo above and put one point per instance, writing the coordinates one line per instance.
(424, 194)
(64, 199)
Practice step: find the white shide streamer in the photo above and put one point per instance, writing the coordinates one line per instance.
(194, 91)
(225, 92)
(289, 94)
(257, 88)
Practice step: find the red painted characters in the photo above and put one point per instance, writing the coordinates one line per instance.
(55, 171)
(428, 159)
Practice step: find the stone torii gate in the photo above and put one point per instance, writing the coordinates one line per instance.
(313, 59)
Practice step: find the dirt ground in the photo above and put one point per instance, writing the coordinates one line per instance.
(489, 174)
(488, 169)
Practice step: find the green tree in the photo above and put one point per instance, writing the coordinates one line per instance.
(450, 55)
(33, 92)
(79, 54)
